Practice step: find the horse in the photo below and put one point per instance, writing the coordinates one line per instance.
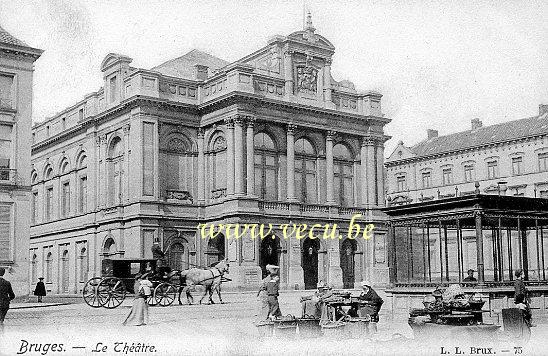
(210, 278)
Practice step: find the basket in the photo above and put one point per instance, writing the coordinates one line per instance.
(285, 327)
(367, 309)
(309, 328)
(265, 328)
(357, 328)
(335, 330)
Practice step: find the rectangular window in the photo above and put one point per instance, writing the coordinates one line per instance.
(34, 216)
(5, 232)
(49, 203)
(47, 131)
(401, 183)
(65, 204)
(426, 179)
(63, 123)
(516, 165)
(148, 158)
(468, 173)
(447, 176)
(5, 151)
(492, 169)
(83, 207)
(6, 90)
(113, 89)
(543, 162)
(80, 114)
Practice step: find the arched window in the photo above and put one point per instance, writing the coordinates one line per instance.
(64, 168)
(83, 272)
(65, 189)
(343, 167)
(49, 267)
(109, 248)
(305, 172)
(218, 166)
(82, 183)
(48, 173)
(178, 160)
(266, 167)
(115, 160)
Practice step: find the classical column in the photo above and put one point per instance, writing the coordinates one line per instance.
(126, 168)
(479, 247)
(327, 81)
(329, 167)
(288, 70)
(250, 157)
(291, 162)
(380, 173)
(201, 166)
(370, 168)
(334, 274)
(238, 155)
(229, 156)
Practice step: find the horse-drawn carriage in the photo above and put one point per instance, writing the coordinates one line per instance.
(117, 279)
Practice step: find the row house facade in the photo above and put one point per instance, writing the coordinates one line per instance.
(16, 77)
(507, 159)
(270, 138)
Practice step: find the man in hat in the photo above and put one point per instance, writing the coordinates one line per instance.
(40, 290)
(470, 277)
(6, 295)
(271, 284)
(312, 305)
(368, 294)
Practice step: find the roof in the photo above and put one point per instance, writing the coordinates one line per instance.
(183, 67)
(532, 126)
(6, 37)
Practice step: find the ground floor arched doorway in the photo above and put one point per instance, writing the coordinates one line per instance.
(178, 256)
(269, 253)
(309, 262)
(348, 256)
(215, 250)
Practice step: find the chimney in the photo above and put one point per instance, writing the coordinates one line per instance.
(200, 72)
(542, 109)
(476, 124)
(432, 133)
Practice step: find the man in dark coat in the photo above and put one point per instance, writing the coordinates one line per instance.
(6, 295)
(40, 290)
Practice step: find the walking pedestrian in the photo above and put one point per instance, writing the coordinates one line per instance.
(6, 295)
(40, 290)
(272, 287)
(138, 315)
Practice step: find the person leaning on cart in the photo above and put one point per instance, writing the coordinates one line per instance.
(521, 297)
(368, 294)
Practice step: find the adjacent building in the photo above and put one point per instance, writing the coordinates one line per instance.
(16, 73)
(270, 138)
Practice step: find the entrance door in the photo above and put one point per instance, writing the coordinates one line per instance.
(65, 272)
(310, 262)
(348, 252)
(269, 253)
(176, 257)
(215, 250)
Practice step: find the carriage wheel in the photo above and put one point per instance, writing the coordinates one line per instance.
(93, 295)
(115, 291)
(165, 294)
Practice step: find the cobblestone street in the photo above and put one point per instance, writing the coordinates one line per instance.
(194, 329)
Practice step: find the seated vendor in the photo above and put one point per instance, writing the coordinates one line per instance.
(312, 305)
(470, 277)
(368, 294)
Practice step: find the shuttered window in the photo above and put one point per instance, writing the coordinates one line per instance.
(5, 232)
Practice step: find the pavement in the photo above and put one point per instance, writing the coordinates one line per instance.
(217, 329)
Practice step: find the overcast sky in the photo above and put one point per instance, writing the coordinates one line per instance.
(438, 63)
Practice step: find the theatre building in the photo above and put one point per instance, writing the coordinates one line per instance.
(16, 76)
(270, 138)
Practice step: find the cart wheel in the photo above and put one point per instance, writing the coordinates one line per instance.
(93, 295)
(151, 300)
(115, 291)
(165, 294)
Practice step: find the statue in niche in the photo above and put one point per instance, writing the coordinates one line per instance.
(307, 77)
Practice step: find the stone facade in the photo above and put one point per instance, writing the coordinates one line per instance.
(16, 74)
(270, 138)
